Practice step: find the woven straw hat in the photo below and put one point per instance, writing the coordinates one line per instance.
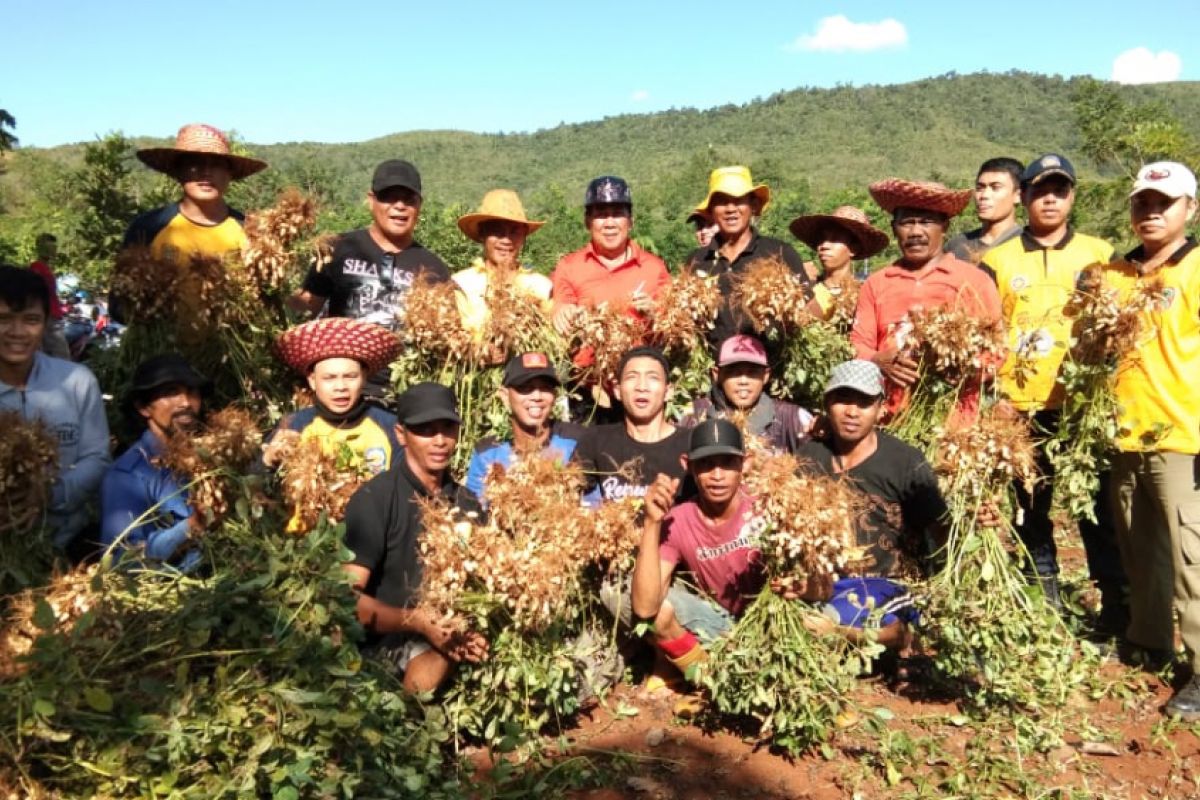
(895, 193)
(735, 182)
(337, 337)
(810, 228)
(200, 139)
(502, 204)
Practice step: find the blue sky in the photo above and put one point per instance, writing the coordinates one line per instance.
(351, 70)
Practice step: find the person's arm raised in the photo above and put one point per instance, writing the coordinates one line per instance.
(651, 574)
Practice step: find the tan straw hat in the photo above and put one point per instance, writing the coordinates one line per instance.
(735, 182)
(199, 139)
(895, 193)
(501, 204)
(810, 229)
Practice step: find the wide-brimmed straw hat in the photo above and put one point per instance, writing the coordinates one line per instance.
(337, 337)
(735, 182)
(896, 193)
(502, 204)
(810, 229)
(199, 139)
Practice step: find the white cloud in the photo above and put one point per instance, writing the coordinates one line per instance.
(640, 96)
(1140, 65)
(837, 34)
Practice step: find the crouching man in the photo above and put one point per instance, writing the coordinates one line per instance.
(383, 526)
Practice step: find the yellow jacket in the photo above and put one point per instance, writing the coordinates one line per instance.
(1035, 283)
(1156, 384)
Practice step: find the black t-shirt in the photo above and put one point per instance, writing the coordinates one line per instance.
(365, 282)
(904, 494)
(604, 451)
(731, 320)
(383, 526)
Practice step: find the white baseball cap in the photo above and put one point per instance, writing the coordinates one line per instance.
(1166, 177)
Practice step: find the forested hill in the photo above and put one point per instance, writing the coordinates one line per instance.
(815, 148)
(831, 137)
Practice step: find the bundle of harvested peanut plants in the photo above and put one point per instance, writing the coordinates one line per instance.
(213, 461)
(1104, 336)
(526, 579)
(994, 636)
(771, 667)
(953, 350)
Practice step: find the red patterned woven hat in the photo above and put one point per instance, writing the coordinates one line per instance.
(895, 193)
(337, 337)
(199, 139)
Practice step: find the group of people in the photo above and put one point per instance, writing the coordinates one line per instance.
(1143, 554)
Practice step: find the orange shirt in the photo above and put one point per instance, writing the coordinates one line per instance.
(887, 296)
(580, 279)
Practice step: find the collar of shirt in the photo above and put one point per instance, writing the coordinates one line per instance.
(1031, 244)
(1138, 254)
(149, 445)
(408, 476)
(635, 256)
(943, 263)
(713, 251)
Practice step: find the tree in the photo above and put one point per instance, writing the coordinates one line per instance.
(107, 201)
(8, 140)
(1124, 135)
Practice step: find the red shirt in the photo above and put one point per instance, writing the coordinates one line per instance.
(580, 279)
(43, 269)
(887, 296)
(723, 559)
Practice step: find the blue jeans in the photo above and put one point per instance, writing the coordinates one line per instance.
(693, 610)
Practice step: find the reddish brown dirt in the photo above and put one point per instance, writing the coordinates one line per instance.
(1153, 761)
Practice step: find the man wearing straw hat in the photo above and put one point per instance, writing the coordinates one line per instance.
(611, 268)
(923, 277)
(733, 202)
(500, 225)
(201, 223)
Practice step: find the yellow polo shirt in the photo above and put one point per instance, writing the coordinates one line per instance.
(1035, 283)
(1156, 385)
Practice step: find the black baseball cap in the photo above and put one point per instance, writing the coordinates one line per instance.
(396, 173)
(1046, 166)
(607, 189)
(715, 437)
(427, 402)
(523, 368)
(161, 370)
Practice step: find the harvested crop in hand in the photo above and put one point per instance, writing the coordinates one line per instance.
(212, 461)
(685, 311)
(148, 287)
(28, 469)
(319, 480)
(769, 294)
(607, 332)
(271, 233)
(1104, 335)
(431, 323)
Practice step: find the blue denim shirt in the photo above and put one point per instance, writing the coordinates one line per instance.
(143, 506)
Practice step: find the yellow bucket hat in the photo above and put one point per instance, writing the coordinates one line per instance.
(735, 182)
(500, 204)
